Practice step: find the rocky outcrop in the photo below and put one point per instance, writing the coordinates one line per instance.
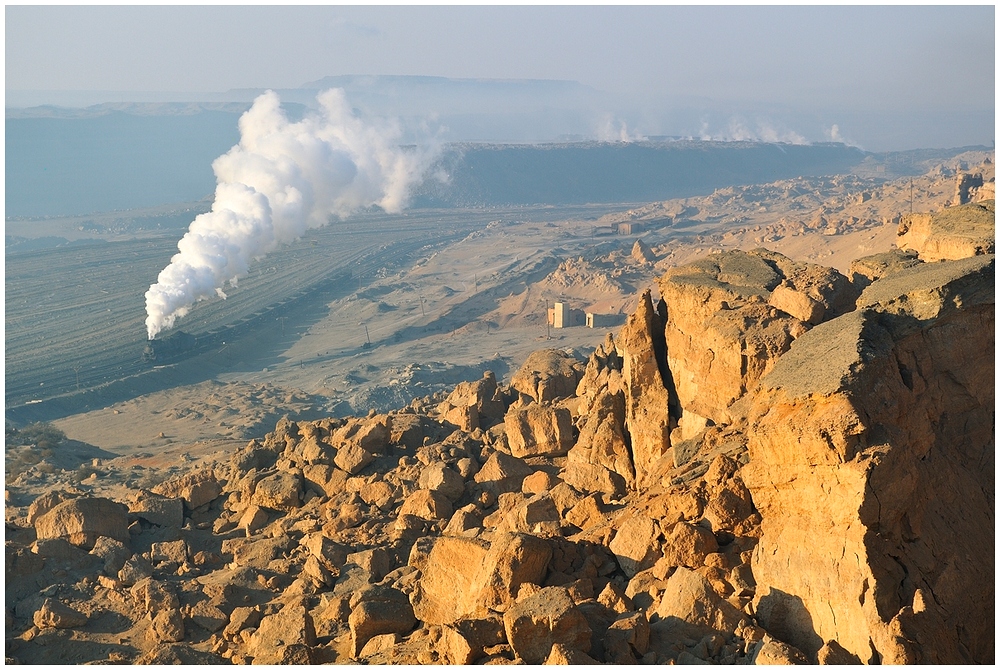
(645, 379)
(877, 425)
(730, 317)
(951, 234)
(870, 268)
(547, 375)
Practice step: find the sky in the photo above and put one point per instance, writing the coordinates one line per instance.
(885, 61)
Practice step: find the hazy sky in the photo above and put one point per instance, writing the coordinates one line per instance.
(857, 57)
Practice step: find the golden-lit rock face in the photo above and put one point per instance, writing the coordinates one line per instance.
(871, 463)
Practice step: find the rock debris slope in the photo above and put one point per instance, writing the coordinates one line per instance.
(775, 463)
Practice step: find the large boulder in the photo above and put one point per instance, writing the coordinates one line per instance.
(82, 520)
(464, 578)
(478, 404)
(547, 375)
(379, 610)
(951, 234)
(196, 489)
(880, 424)
(721, 335)
(544, 619)
(539, 430)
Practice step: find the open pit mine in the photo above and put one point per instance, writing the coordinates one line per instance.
(770, 462)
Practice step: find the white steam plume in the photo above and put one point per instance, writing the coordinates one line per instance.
(281, 179)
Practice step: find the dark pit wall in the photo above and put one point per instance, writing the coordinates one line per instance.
(562, 174)
(67, 166)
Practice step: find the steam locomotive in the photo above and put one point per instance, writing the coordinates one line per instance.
(169, 348)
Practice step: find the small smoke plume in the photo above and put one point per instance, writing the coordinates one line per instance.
(761, 131)
(836, 136)
(280, 180)
(613, 129)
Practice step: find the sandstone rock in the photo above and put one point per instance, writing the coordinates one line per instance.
(775, 652)
(158, 510)
(284, 637)
(548, 617)
(466, 641)
(547, 375)
(642, 253)
(876, 424)
(352, 458)
(627, 639)
(47, 501)
(279, 491)
(602, 437)
(477, 404)
(502, 473)
(636, 544)
(721, 336)
(589, 477)
(463, 577)
(427, 505)
(324, 479)
(688, 545)
(442, 479)
(645, 377)
(538, 482)
(689, 597)
(55, 614)
(112, 552)
(832, 653)
(951, 234)
(560, 654)
(82, 520)
(539, 430)
(871, 268)
(196, 489)
(377, 611)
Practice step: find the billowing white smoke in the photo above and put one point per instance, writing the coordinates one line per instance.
(281, 179)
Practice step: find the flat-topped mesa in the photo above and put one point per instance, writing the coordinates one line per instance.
(730, 316)
(951, 234)
(872, 465)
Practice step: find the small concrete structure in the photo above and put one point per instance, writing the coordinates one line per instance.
(604, 320)
(564, 316)
(631, 228)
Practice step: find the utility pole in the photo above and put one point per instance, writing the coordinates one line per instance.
(282, 320)
(911, 195)
(422, 313)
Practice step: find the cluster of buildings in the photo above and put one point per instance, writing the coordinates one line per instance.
(561, 315)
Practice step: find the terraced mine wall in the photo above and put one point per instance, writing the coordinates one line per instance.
(594, 172)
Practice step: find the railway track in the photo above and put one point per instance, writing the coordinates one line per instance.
(75, 316)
